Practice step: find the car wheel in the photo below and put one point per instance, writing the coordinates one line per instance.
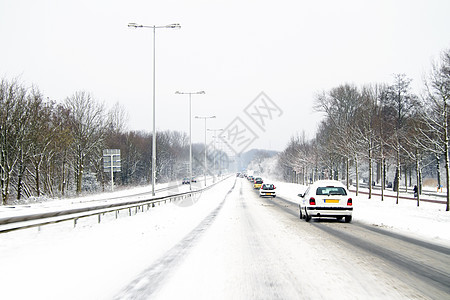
(300, 214)
(274, 196)
(348, 219)
(307, 217)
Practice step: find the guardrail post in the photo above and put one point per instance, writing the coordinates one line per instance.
(116, 212)
(75, 222)
(99, 218)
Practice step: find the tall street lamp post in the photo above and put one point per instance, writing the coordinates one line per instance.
(134, 25)
(205, 118)
(190, 132)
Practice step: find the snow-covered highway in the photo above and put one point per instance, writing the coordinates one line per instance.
(252, 248)
(229, 244)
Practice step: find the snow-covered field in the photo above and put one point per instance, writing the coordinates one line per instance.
(95, 261)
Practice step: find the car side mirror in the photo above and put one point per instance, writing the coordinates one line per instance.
(301, 195)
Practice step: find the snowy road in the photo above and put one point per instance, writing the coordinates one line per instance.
(252, 248)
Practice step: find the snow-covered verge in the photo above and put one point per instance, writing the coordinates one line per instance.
(94, 261)
(429, 221)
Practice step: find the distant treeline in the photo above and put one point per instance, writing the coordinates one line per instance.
(55, 149)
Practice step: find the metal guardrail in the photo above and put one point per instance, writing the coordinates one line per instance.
(404, 190)
(400, 197)
(12, 223)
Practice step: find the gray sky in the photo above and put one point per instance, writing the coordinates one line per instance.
(232, 49)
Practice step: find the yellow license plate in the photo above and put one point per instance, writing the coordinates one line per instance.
(331, 201)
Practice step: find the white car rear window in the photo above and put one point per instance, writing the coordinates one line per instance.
(331, 190)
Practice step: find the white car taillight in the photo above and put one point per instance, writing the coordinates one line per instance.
(349, 202)
(312, 201)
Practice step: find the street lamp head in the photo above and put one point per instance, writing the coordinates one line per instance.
(134, 25)
(190, 93)
(211, 117)
(175, 25)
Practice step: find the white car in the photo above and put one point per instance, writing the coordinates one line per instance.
(267, 190)
(326, 198)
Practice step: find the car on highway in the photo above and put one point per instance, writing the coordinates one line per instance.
(326, 198)
(267, 190)
(186, 180)
(257, 183)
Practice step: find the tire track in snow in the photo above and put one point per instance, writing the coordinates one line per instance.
(153, 277)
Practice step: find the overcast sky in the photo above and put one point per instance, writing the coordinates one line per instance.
(231, 49)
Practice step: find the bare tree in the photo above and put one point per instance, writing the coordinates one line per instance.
(88, 130)
(13, 122)
(42, 135)
(436, 112)
(402, 101)
(340, 106)
(365, 128)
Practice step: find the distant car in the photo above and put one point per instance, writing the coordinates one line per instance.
(267, 190)
(326, 198)
(186, 180)
(257, 183)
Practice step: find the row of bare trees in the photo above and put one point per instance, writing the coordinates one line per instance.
(374, 127)
(55, 149)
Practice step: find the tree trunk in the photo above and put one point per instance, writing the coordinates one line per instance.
(382, 170)
(38, 187)
(406, 179)
(397, 173)
(370, 173)
(348, 172)
(357, 176)
(447, 171)
(20, 176)
(79, 175)
(63, 178)
(383, 177)
(419, 187)
(438, 171)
